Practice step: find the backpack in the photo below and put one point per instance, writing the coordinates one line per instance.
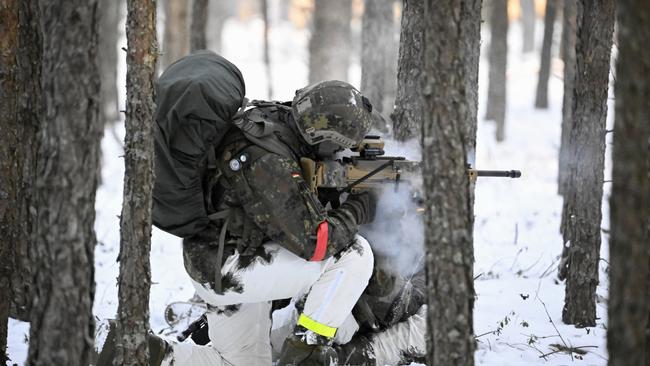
(200, 99)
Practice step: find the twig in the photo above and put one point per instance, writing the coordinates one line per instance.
(482, 334)
(553, 323)
(548, 271)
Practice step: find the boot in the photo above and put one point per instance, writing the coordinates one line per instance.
(357, 352)
(296, 352)
(158, 348)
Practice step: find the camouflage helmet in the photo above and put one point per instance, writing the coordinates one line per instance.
(332, 111)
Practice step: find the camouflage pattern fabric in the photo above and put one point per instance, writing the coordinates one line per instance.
(272, 201)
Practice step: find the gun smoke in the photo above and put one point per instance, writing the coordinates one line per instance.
(397, 234)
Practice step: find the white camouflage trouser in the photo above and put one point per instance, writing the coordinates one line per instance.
(240, 335)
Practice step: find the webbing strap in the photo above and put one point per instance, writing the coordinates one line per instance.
(321, 242)
(222, 243)
(316, 327)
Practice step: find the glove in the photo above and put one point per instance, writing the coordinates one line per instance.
(363, 206)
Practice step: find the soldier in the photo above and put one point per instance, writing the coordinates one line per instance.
(271, 238)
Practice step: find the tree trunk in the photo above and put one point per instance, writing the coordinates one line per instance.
(267, 56)
(9, 176)
(62, 324)
(109, 18)
(218, 12)
(528, 20)
(135, 222)
(199, 23)
(498, 58)
(176, 37)
(541, 98)
(20, 113)
(408, 113)
(329, 46)
(451, 57)
(376, 53)
(628, 271)
(587, 149)
(569, 30)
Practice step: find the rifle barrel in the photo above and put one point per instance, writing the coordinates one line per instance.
(499, 173)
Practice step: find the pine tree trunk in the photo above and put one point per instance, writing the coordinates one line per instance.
(218, 13)
(376, 51)
(629, 202)
(451, 55)
(330, 46)
(528, 20)
(20, 113)
(62, 323)
(198, 26)
(541, 98)
(267, 55)
(135, 222)
(569, 30)
(498, 58)
(587, 149)
(9, 189)
(109, 18)
(176, 36)
(408, 113)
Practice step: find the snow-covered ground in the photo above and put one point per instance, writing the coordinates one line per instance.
(519, 301)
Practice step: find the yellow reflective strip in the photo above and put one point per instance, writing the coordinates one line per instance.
(316, 327)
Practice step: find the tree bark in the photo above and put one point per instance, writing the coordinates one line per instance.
(528, 20)
(198, 26)
(541, 98)
(20, 113)
(109, 18)
(629, 209)
(329, 46)
(451, 55)
(498, 58)
(9, 189)
(377, 47)
(587, 148)
(62, 324)
(135, 222)
(408, 113)
(176, 37)
(569, 30)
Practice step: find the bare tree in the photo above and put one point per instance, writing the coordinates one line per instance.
(176, 37)
(218, 12)
(498, 58)
(135, 222)
(62, 325)
(582, 213)
(451, 55)
(541, 98)
(198, 25)
(629, 209)
(569, 29)
(20, 113)
(528, 20)
(9, 177)
(377, 47)
(267, 55)
(408, 113)
(329, 46)
(109, 18)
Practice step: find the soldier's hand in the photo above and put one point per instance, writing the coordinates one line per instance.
(363, 207)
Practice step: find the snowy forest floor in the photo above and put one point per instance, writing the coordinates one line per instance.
(517, 316)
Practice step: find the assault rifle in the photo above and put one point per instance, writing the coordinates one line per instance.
(370, 169)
